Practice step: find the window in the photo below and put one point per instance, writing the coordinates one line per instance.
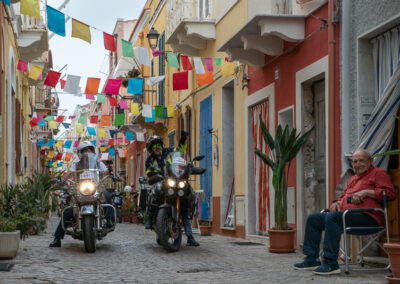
(171, 139)
(204, 9)
(161, 70)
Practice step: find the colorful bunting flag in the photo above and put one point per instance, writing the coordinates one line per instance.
(52, 78)
(146, 110)
(156, 52)
(113, 101)
(227, 68)
(68, 157)
(72, 84)
(218, 61)
(51, 155)
(101, 98)
(93, 142)
(170, 111)
(135, 108)
(40, 143)
(140, 136)
(60, 118)
(154, 80)
(152, 118)
(67, 144)
(90, 97)
(159, 111)
(105, 120)
(135, 86)
(94, 119)
(206, 78)
(33, 122)
(111, 142)
(82, 119)
(42, 122)
(60, 164)
(59, 143)
(66, 125)
(50, 143)
(121, 153)
(186, 63)
(35, 72)
(119, 119)
(91, 130)
(172, 60)
(49, 118)
(62, 83)
(102, 141)
(165, 113)
(127, 49)
(81, 30)
(120, 140)
(209, 64)
(123, 104)
(30, 8)
(198, 65)
(22, 66)
(55, 21)
(109, 42)
(129, 135)
(79, 129)
(180, 81)
(101, 133)
(53, 124)
(59, 156)
(92, 86)
(7, 2)
(71, 116)
(112, 86)
(111, 152)
(76, 144)
(143, 55)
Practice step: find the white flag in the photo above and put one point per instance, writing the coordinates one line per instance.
(143, 55)
(121, 153)
(154, 80)
(104, 156)
(198, 65)
(146, 111)
(72, 85)
(139, 136)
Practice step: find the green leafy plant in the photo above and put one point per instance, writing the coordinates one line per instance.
(281, 151)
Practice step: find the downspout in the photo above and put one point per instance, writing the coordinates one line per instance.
(331, 102)
(345, 79)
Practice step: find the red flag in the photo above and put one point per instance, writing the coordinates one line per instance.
(113, 101)
(180, 81)
(186, 63)
(60, 118)
(111, 142)
(22, 66)
(94, 119)
(52, 78)
(33, 122)
(42, 152)
(59, 156)
(109, 42)
(62, 82)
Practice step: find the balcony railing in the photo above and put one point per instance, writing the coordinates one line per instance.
(177, 11)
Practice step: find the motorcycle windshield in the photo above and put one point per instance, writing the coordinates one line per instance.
(88, 167)
(178, 164)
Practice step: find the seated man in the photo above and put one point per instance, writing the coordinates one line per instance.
(364, 190)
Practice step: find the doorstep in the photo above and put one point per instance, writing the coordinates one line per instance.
(258, 239)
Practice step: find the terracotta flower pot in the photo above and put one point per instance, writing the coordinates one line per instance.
(394, 256)
(9, 244)
(134, 219)
(281, 241)
(126, 219)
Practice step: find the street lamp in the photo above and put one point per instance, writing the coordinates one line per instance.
(152, 37)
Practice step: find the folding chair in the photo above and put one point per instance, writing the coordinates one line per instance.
(374, 234)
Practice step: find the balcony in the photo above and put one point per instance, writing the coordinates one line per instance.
(31, 33)
(187, 31)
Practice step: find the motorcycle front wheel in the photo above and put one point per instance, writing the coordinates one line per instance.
(169, 238)
(89, 237)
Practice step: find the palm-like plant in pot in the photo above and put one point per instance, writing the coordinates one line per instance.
(281, 151)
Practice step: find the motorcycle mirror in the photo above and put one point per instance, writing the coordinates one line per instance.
(197, 171)
(198, 158)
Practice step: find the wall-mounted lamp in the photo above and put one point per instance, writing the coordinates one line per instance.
(152, 37)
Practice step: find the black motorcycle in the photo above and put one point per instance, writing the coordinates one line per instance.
(117, 201)
(169, 197)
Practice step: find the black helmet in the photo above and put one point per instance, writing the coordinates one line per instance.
(153, 140)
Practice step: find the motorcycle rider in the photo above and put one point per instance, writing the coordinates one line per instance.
(155, 164)
(85, 148)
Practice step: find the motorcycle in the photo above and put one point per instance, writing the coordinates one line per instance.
(117, 201)
(140, 198)
(173, 189)
(87, 202)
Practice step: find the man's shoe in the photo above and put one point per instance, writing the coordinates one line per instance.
(109, 224)
(307, 265)
(192, 242)
(149, 225)
(327, 268)
(56, 243)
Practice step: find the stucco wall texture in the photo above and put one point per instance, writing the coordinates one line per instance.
(365, 15)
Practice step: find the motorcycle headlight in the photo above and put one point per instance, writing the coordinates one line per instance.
(87, 187)
(181, 193)
(170, 191)
(171, 183)
(181, 184)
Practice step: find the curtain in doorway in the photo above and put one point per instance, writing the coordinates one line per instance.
(260, 169)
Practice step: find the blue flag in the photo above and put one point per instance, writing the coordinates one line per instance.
(7, 2)
(129, 135)
(40, 143)
(42, 122)
(91, 130)
(152, 118)
(49, 164)
(66, 125)
(93, 142)
(50, 143)
(112, 132)
(111, 152)
(68, 144)
(135, 86)
(55, 21)
(60, 164)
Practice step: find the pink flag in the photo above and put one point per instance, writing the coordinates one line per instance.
(71, 116)
(90, 97)
(209, 64)
(112, 86)
(76, 144)
(156, 52)
(120, 140)
(22, 66)
(123, 104)
(102, 141)
(40, 76)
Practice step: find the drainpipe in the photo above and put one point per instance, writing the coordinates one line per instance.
(345, 78)
(331, 102)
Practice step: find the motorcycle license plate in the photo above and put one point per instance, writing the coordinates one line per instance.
(87, 209)
(87, 175)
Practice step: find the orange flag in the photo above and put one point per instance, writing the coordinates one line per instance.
(206, 78)
(92, 86)
(105, 120)
(68, 157)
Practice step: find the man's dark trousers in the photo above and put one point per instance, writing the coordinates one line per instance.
(332, 224)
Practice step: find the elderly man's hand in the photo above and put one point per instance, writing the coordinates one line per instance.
(359, 196)
(334, 207)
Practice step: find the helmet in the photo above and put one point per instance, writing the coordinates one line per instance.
(128, 188)
(86, 145)
(153, 140)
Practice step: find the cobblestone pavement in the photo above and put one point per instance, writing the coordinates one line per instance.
(131, 255)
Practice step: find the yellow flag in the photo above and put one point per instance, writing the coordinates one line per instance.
(135, 109)
(170, 111)
(101, 133)
(79, 128)
(31, 8)
(103, 149)
(227, 68)
(35, 72)
(55, 165)
(51, 155)
(59, 143)
(53, 125)
(81, 30)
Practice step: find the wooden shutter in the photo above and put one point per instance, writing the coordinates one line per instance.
(17, 136)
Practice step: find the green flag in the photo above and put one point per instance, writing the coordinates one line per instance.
(82, 119)
(119, 119)
(218, 61)
(101, 98)
(159, 111)
(172, 60)
(127, 49)
(49, 118)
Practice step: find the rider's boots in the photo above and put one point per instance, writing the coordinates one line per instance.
(55, 243)
(192, 242)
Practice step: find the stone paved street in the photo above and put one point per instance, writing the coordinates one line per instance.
(131, 255)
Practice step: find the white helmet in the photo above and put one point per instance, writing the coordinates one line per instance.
(86, 145)
(128, 188)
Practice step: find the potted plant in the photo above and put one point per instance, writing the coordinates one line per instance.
(9, 236)
(205, 227)
(281, 151)
(127, 209)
